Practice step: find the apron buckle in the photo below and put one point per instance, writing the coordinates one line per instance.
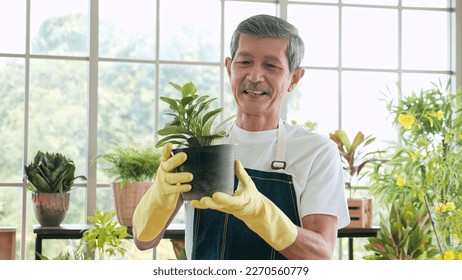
(278, 164)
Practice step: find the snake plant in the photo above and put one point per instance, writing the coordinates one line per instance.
(50, 173)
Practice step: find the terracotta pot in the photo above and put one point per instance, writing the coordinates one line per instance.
(127, 198)
(7, 243)
(50, 208)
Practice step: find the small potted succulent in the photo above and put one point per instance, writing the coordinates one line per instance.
(50, 177)
(133, 169)
(192, 130)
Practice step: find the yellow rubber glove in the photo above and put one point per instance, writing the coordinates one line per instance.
(158, 204)
(259, 213)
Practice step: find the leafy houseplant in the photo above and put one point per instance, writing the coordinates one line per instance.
(353, 154)
(355, 158)
(424, 167)
(133, 169)
(192, 131)
(407, 236)
(104, 239)
(50, 177)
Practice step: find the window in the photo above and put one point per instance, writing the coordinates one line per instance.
(74, 81)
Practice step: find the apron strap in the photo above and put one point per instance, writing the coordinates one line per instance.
(279, 163)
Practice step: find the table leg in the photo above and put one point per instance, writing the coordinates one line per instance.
(38, 246)
(350, 248)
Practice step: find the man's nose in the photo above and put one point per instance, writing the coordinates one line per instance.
(256, 74)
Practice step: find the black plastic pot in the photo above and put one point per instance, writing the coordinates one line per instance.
(212, 168)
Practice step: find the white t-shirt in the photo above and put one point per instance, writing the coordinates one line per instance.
(312, 160)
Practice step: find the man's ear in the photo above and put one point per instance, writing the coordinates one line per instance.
(296, 77)
(228, 62)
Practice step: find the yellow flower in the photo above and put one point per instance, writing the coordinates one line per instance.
(441, 208)
(460, 136)
(415, 155)
(439, 115)
(449, 255)
(406, 120)
(400, 181)
(451, 206)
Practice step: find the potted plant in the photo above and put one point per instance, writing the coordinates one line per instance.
(133, 169)
(106, 238)
(192, 131)
(424, 166)
(355, 158)
(50, 177)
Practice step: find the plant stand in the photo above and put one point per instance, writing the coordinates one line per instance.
(360, 210)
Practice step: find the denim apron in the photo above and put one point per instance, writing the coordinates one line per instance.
(218, 236)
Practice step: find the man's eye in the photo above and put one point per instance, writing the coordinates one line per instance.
(270, 65)
(245, 62)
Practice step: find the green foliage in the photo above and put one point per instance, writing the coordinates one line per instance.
(424, 167)
(353, 153)
(407, 235)
(50, 173)
(103, 240)
(308, 125)
(192, 122)
(131, 163)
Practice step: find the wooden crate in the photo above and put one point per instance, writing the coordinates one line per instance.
(7, 243)
(360, 212)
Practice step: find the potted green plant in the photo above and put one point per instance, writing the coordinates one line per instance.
(106, 238)
(404, 235)
(50, 177)
(192, 130)
(355, 158)
(425, 164)
(133, 169)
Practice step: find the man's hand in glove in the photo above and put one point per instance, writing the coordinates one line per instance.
(159, 203)
(258, 212)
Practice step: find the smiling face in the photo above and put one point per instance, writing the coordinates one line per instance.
(260, 79)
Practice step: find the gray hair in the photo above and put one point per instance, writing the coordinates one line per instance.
(271, 26)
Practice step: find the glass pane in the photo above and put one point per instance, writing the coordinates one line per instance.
(427, 3)
(315, 99)
(59, 27)
(236, 11)
(126, 105)
(12, 119)
(13, 26)
(374, 2)
(127, 29)
(413, 82)
(58, 109)
(370, 38)
(425, 40)
(205, 78)
(321, 44)
(188, 35)
(363, 107)
(105, 199)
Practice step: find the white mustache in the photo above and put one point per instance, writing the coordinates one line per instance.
(255, 87)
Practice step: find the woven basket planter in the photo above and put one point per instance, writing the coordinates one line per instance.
(127, 198)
